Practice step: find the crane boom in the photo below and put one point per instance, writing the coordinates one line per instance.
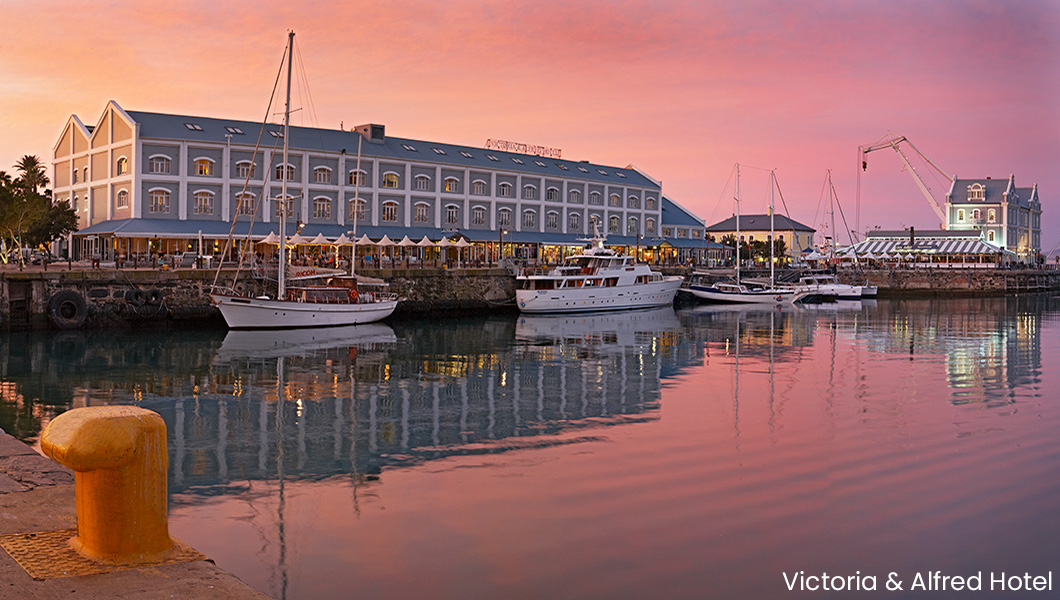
(894, 143)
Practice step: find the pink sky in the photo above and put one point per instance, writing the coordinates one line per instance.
(682, 90)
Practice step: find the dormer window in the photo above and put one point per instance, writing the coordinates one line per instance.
(976, 192)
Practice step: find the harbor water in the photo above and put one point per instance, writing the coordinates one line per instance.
(703, 452)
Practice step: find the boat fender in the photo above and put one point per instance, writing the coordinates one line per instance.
(353, 295)
(67, 309)
(135, 297)
(153, 296)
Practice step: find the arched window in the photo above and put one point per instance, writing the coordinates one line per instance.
(452, 214)
(390, 180)
(358, 178)
(423, 183)
(421, 213)
(284, 208)
(244, 204)
(504, 217)
(322, 206)
(574, 197)
(649, 203)
(633, 202)
(322, 175)
(595, 198)
(390, 211)
(529, 219)
(632, 226)
(123, 199)
(574, 223)
(159, 200)
(452, 185)
(991, 216)
(160, 164)
(614, 224)
(552, 220)
(976, 214)
(285, 172)
(356, 210)
(614, 200)
(529, 192)
(123, 166)
(649, 227)
(204, 167)
(478, 187)
(245, 169)
(203, 202)
(552, 195)
(478, 216)
(504, 190)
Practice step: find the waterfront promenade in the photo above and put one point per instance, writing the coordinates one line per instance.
(37, 495)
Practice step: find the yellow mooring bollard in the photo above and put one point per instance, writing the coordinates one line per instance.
(118, 454)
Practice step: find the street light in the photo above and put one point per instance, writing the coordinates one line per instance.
(501, 232)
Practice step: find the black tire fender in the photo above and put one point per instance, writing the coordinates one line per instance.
(153, 296)
(135, 297)
(67, 309)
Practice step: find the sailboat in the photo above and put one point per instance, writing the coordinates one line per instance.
(735, 291)
(340, 301)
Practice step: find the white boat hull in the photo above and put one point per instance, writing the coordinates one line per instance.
(711, 294)
(264, 313)
(585, 299)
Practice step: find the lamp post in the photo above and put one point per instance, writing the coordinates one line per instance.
(501, 232)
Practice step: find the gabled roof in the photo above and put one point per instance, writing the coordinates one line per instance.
(207, 129)
(760, 223)
(994, 191)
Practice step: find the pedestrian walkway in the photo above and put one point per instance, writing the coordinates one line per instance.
(37, 495)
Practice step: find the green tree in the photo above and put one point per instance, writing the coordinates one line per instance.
(34, 176)
(28, 217)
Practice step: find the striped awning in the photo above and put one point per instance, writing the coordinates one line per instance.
(958, 246)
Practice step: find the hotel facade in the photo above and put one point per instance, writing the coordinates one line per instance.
(145, 182)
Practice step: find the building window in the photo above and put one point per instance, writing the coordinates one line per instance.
(245, 204)
(574, 223)
(478, 216)
(614, 200)
(632, 226)
(322, 206)
(234, 130)
(466, 154)
(504, 190)
(595, 198)
(123, 166)
(76, 173)
(493, 158)
(322, 175)
(529, 192)
(203, 203)
(976, 191)
(438, 150)
(552, 220)
(504, 217)
(421, 213)
(574, 197)
(649, 227)
(123, 199)
(423, 183)
(204, 167)
(284, 172)
(529, 219)
(613, 224)
(478, 187)
(245, 169)
(552, 195)
(85, 171)
(73, 203)
(991, 216)
(357, 178)
(633, 202)
(681, 233)
(356, 210)
(649, 203)
(452, 214)
(390, 212)
(409, 147)
(159, 201)
(390, 180)
(960, 215)
(517, 161)
(976, 214)
(669, 232)
(990, 236)
(284, 208)
(452, 185)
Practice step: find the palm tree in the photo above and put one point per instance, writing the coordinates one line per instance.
(33, 173)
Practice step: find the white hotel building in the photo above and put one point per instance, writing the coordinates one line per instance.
(148, 182)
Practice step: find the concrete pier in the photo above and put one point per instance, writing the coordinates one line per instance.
(37, 495)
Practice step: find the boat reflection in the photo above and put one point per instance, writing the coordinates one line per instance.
(259, 344)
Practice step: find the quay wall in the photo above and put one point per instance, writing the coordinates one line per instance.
(145, 297)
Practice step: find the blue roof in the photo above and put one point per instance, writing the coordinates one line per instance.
(676, 215)
(760, 223)
(173, 127)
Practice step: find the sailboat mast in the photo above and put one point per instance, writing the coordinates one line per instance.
(772, 243)
(737, 223)
(282, 272)
(831, 204)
